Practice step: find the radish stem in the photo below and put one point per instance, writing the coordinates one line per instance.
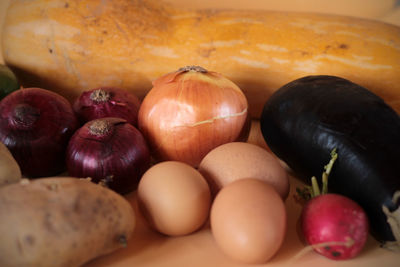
(314, 190)
(329, 166)
(315, 187)
(324, 183)
(328, 169)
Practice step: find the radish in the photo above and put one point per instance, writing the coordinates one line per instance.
(334, 225)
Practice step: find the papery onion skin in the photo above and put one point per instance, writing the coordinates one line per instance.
(35, 125)
(107, 102)
(117, 157)
(189, 112)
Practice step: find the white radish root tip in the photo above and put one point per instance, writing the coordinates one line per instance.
(348, 243)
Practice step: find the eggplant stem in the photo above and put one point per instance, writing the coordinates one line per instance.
(393, 219)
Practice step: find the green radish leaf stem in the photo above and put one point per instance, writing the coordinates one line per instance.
(314, 190)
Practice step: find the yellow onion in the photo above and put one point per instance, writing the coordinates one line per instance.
(189, 112)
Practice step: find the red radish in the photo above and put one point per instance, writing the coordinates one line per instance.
(334, 225)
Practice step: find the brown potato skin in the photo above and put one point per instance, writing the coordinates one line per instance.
(61, 221)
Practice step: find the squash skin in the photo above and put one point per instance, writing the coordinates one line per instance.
(73, 46)
(307, 118)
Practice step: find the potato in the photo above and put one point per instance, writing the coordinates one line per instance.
(9, 169)
(61, 221)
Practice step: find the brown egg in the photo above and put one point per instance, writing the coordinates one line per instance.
(248, 221)
(174, 197)
(238, 160)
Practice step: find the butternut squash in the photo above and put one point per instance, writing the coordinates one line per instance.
(359, 8)
(74, 45)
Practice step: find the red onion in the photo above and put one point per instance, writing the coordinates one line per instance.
(107, 102)
(110, 151)
(35, 125)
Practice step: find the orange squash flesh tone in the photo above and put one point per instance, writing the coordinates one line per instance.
(73, 46)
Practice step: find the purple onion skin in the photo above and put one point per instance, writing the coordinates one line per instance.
(118, 158)
(121, 104)
(36, 125)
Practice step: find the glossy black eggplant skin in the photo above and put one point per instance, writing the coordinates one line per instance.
(308, 117)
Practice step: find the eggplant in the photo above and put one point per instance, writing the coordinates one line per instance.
(304, 120)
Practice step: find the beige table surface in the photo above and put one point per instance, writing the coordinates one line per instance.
(148, 248)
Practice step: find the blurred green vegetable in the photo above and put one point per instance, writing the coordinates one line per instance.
(8, 81)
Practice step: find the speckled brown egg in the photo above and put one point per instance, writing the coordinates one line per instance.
(248, 221)
(238, 160)
(174, 197)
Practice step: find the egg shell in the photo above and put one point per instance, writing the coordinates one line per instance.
(238, 160)
(248, 221)
(174, 198)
